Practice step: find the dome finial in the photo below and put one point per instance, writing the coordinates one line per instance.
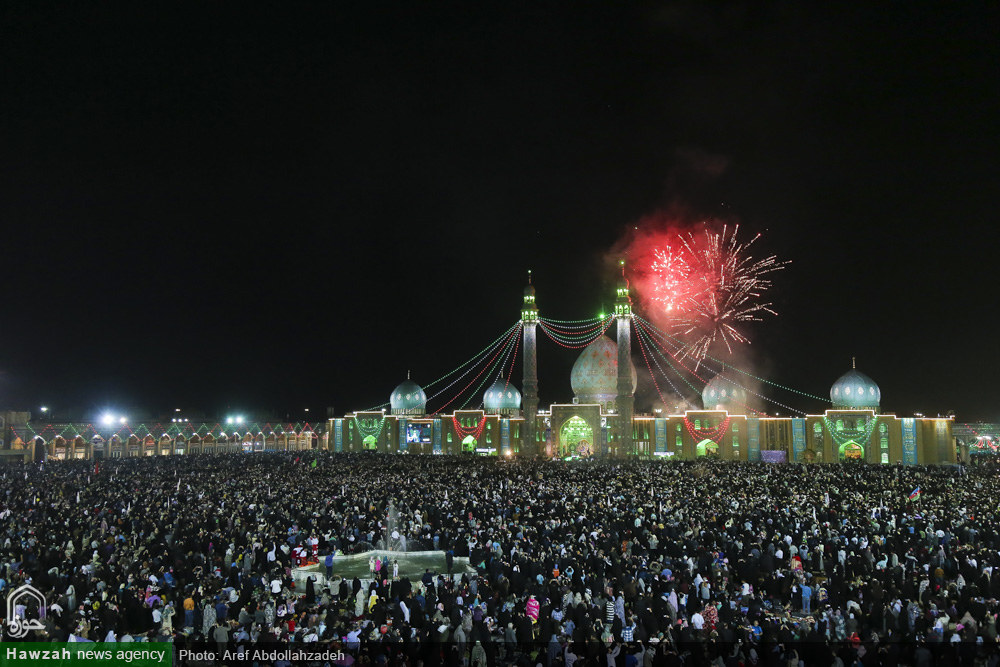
(853, 364)
(407, 374)
(529, 276)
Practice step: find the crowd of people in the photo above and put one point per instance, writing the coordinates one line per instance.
(604, 563)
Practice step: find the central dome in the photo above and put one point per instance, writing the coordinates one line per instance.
(595, 374)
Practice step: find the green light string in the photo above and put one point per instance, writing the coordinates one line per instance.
(366, 432)
(461, 391)
(463, 375)
(849, 435)
(501, 364)
(571, 337)
(556, 324)
(575, 343)
(683, 377)
(642, 348)
(680, 344)
(592, 319)
(477, 357)
(746, 389)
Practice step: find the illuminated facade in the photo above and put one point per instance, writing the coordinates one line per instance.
(599, 421)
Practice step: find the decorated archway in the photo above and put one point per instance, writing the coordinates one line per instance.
(851, 451)
(469, 444)
(707, 448)
(576, 437)
(370, 442)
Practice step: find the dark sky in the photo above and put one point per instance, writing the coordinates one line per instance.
(224, 207)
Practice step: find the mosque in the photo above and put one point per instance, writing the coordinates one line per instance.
(600, 421)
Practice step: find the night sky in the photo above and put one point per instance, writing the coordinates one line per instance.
(264, 209)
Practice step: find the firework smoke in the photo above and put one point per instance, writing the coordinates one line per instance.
(699, 282)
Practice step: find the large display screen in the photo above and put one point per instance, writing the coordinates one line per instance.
(418, 433)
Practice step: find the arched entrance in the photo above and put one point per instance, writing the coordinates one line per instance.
(576, 438)
(851, 451)
(371, 442)
(469, 444)
(707, 448)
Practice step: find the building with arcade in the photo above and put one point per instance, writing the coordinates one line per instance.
(599, 421)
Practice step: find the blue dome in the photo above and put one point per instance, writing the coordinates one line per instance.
(594, 377)
(408, 399)
(855, 390)
(502, 397)
(721, 394)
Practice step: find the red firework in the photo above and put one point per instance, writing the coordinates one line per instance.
(703, 285)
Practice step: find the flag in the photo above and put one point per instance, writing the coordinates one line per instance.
(77, 497)
(178, 484)
(96, 467)
(916, 493)
(314, 463)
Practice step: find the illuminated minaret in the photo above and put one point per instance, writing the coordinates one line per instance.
(529, 320)
(625, 400)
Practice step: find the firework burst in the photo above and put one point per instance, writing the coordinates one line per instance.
(706, 284)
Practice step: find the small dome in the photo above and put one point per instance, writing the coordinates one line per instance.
(855, 390)
(721, 394)
(595, 374)
(408, 399)
(502, 397)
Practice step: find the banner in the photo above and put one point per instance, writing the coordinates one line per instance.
(909, 441)
(943, 441)
(798, 438)
(660, 430)
(338, 435)
(437, 436)
(403, 446)
(753, 438)
(504, 435)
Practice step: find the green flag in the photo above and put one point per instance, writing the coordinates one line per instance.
(314, 463)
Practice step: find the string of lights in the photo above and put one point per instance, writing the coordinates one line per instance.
(746, 389)
(642, 347)
(571, 343)
(477, 392)
(489, 364)
(841, 436)
(573, 330)
(666, 376)
(591, 319)
(475, 358)
(714, 434)
(681, 345)
(476, 431)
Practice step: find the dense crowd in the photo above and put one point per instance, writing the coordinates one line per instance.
(623, 563)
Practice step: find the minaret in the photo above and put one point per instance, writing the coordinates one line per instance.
(529, 321)
(625, 400)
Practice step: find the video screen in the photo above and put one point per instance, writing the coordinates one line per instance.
(418, 433)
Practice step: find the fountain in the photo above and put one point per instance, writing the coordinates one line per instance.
(412, 555)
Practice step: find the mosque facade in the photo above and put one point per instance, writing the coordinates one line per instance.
(600, 421)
